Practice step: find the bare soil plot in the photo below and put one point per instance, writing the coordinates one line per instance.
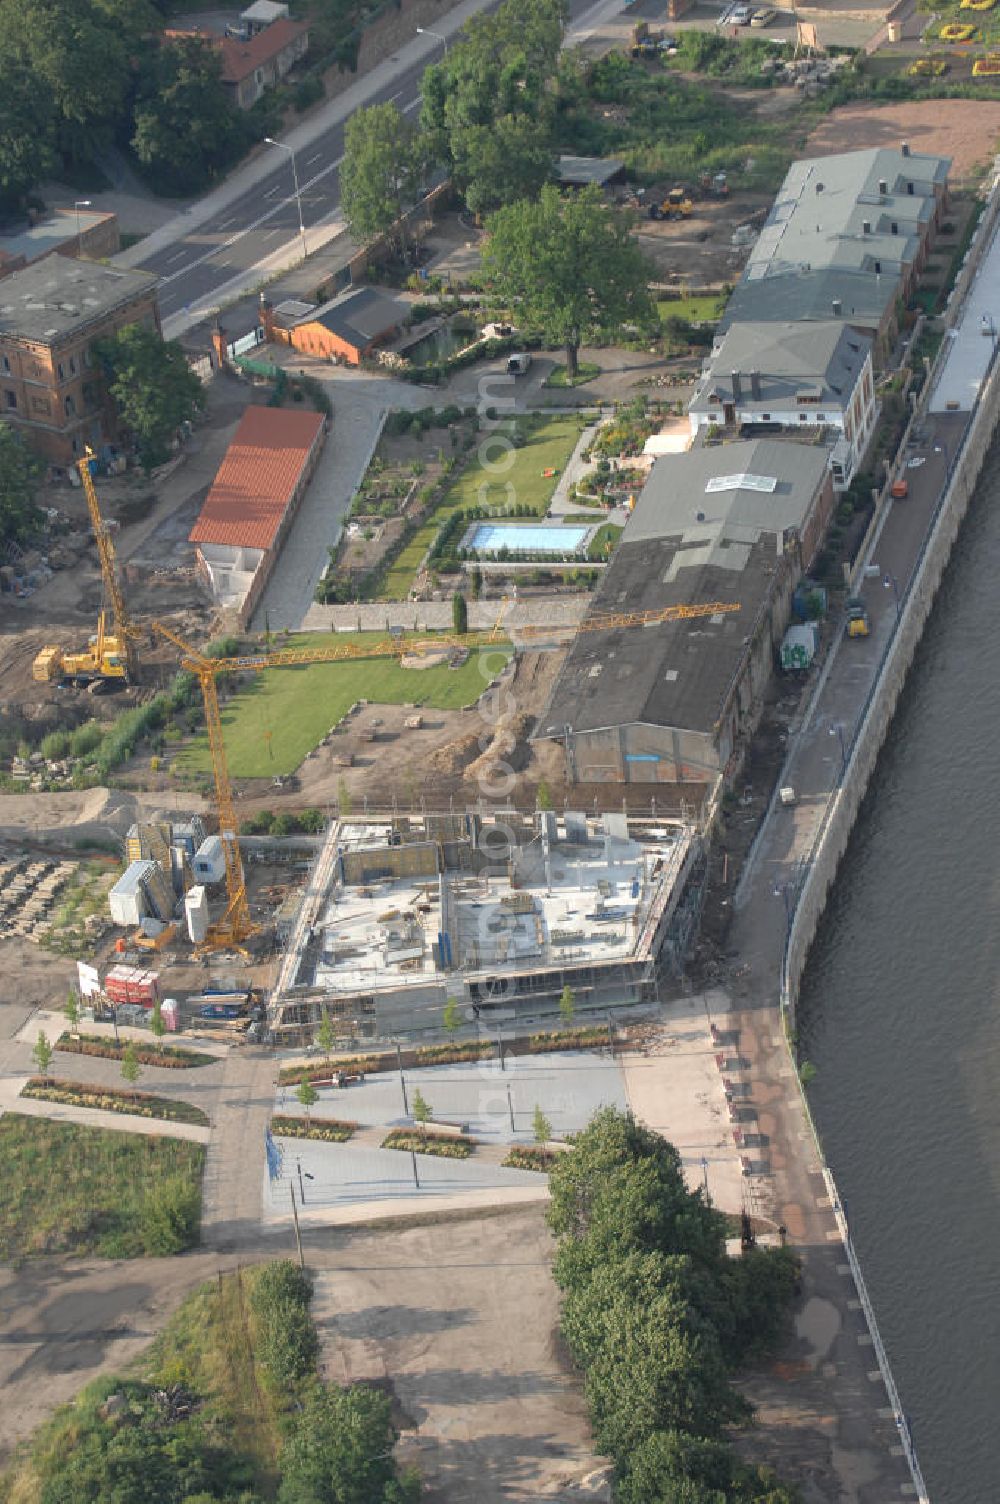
(967, 130)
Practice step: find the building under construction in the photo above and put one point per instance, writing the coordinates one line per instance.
(499, 914)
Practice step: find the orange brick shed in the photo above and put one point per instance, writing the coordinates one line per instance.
(345, 329)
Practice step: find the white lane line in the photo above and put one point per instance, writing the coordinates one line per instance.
(256, 224)
(315, 158)
(178, 257)
(411, 106)
(268, 233)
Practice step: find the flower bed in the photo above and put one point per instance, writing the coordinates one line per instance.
(588, 1036)
(171, 1057)
(528, 1157)
(325, 1130)
(986, 67)
(953, 32)
(429, 1143)
(976, 4)
(112, 1099)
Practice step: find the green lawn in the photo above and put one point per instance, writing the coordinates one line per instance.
(71, 1189)
(706, 309)
(298, 705)
(605, 541)
(521, 483)
(559, 377)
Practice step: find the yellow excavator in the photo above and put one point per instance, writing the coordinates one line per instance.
(109, 657)
(676, 205)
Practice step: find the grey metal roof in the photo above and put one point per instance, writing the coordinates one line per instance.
(360, 316)
(824, 359)
(857, 297)
(59, 296)
(579, 171)
(680, 673)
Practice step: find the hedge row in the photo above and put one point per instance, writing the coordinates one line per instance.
(113, 1099)
(325, 1130)
(170, 1056)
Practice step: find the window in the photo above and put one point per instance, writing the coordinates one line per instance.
(76, 446)
(40, 405)
(895, 228)
(6, 363)
(10, 399)
(878, 268)
(803, 417)
(62, 374)
(72, 365)
(909, 188)
(70, 407)
(87, 358)
(821, 417)
(766, 417)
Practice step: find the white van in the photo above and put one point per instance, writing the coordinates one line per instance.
(517, 365)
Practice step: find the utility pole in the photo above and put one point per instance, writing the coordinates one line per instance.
(416, 1177)
(298, 1235)
(510, 1108)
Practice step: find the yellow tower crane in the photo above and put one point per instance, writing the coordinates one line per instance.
(236, 925)
(109, 656)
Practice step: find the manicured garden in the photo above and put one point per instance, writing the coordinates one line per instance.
(321, 1130)
(114, 1099)
(67, 1188)
(420, 1141)
(170, 1056)
(277, 717)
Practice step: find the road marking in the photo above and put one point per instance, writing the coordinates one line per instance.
(314, 158)
(176, 258)
(411, 106)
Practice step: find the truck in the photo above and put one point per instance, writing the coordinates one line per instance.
(857, 623)
(519, 363)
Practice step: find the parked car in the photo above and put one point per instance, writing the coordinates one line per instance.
(762, 17)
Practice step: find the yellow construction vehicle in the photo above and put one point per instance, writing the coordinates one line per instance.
(236, 924)
(110, 656)
(676, 205)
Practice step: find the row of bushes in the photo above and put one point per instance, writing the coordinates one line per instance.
(284, 823)
(113, 1099)
(323, 1130)
(419, 1141)
(169, 1056)
(587, 1036)
(285, 1341)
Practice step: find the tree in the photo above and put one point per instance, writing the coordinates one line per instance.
(72, 1010)
(451, 1018)
(41, 1053)
(459, 614)
(325, 1035)
(20, 472)
(540, 1126)
(476, 582)
(421, 1109)
(186, 129)
(27, 129)
(567, 265)
(171, 1214)
(381, 172)
(157, 1027)
(488, 108)
(153, 388)
(567, 1004)
(131, 1069)
(340, 1451)
(307, 1095)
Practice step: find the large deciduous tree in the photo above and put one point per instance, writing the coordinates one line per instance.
(381, 171)
(27, 128)
(20, 472)
(566, 265)
(488, 107)
(186, 129)
(152, 386)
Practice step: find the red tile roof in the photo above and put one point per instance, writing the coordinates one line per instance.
(257, 478)
(239, 59)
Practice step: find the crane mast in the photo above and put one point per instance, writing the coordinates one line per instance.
(124, 630)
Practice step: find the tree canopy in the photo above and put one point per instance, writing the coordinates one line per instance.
(20, 472)
(185, 128)
(658, 1316)
(489, 107)
(341, 1452)
(567, 264)
(380, 175)
(152, 386)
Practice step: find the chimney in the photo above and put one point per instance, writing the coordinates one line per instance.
(837, 308)
(883, 187)
(904, 147)
(755, 385)
(737, 389)
(219, 347)
(866, 227)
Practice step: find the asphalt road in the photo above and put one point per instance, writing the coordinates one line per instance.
(256, 225)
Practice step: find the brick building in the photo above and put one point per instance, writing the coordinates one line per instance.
(88, 233)
(51, 388)
(343, 330)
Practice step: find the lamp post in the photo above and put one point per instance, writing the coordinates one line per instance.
(80, 203)
(425, 31)
(837, 730)
(786, 891)
(889, 582)
(298, 196)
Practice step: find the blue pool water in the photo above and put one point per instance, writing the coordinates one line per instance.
(526, 538)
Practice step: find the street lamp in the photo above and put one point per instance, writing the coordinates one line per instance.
(298, 197)
(837, 730)
(987, 326)
(425, 31)
(80, 203)
(785, 891)
(889, 582)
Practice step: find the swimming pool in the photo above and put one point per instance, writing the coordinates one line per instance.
(525, 538)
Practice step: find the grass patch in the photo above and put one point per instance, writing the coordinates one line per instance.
(604, 542)
(297, 706)
(171, 1056)
(324, 1130)
(417, 1141)
(67, 1188)
(560, 377)
(522, 484)
(114, 1099)
(701, 308)
(529, 1157)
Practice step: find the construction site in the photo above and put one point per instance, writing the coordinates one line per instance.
(497, 915)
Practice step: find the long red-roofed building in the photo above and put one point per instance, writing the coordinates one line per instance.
(254, 497)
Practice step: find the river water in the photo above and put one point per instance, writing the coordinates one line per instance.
(900, 1013)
